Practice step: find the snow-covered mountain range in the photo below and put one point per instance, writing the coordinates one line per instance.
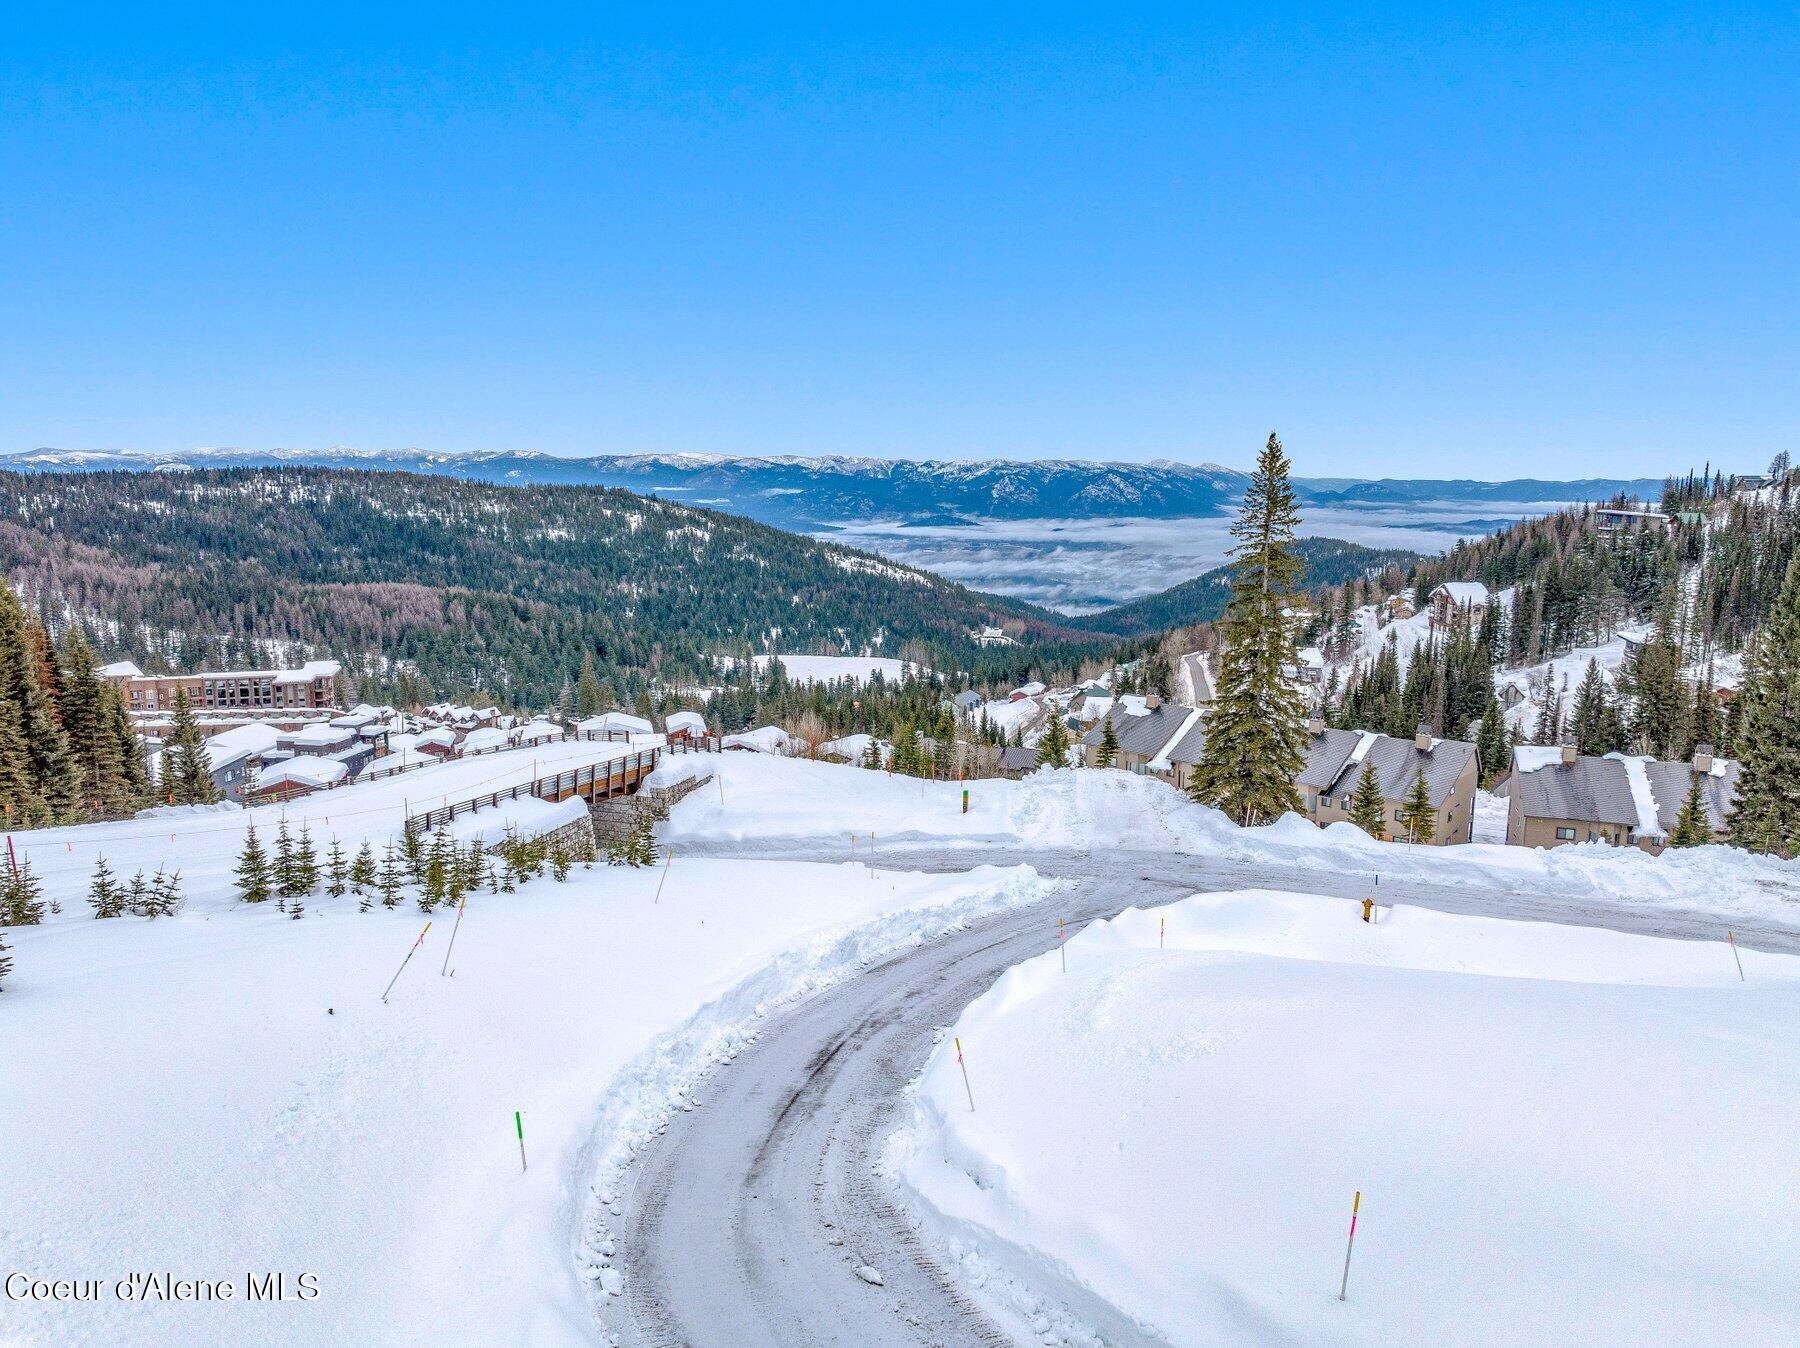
(798, 492)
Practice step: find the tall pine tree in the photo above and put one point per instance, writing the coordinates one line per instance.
(254, 881)
(1256, 726)
(1418, 816)
(1109, 744)
(1767, 816)
(1368, 811)
(187, 776)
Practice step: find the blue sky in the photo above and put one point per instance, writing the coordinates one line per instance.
(1505, 244)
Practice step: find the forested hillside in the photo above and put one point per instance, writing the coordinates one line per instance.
(1329, 561)
(1693, 594)
(435, 587)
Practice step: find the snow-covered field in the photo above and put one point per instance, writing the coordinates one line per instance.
(1561, 1135)
(223, 1093)
(760, 797)
(830, 668)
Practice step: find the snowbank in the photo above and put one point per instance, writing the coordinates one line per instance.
(1561, 1134)
(224, 1091)
(779, 798)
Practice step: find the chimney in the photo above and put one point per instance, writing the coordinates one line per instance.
(1152, 701)
(1703, 758)
(1422, 738)
(1568, 754)
(1315, 726)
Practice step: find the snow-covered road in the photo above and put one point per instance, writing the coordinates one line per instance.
(748, 1222)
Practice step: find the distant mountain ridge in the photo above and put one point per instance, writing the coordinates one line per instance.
(795, 492)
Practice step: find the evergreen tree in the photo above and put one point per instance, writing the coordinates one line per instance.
(412, 851)
(187, 778)
(1693, 826)
(392, 876)
(1255, 729)
(297, 907)
(165, 894)
(1109, 744)
(22, 898)
(337, 871)
(39, 781)
(5, 963)
(108, 769)
(1053, 747)
(137, 895)
(1589, 723)
(1767, 816)
(306, 862)
(559, 862)
(1491, 745)
(587, 689)
(286, 865)
(643, 840)
(1549, 725)
(254, 879)
(104, 893)
(1417, 814)
(362, 870)
(1368, 810)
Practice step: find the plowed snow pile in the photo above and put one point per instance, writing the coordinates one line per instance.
(763, 798)
(1562, 1135)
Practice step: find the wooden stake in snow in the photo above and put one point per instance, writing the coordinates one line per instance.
(1355, 1207)
(1162, 931)
(965, 800)
(1060, 946)
(668, 861)
(519, 1123)
(1728, 936)
(965, 1071)
(403, 963)
(461, 903)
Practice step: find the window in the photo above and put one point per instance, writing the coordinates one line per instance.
(1399, 815)
(1565, 835)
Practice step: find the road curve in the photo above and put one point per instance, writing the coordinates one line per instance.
(744, 1226)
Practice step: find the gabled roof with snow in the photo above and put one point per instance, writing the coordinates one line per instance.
(1335, 759)
(1148, 732)
(1591, 790)
(690, 721)
(1460, 592)
(1718, 790)
(120, 669)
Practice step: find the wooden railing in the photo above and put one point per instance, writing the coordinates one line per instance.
(595, 780)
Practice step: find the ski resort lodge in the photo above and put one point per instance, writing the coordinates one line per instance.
(312, 687)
